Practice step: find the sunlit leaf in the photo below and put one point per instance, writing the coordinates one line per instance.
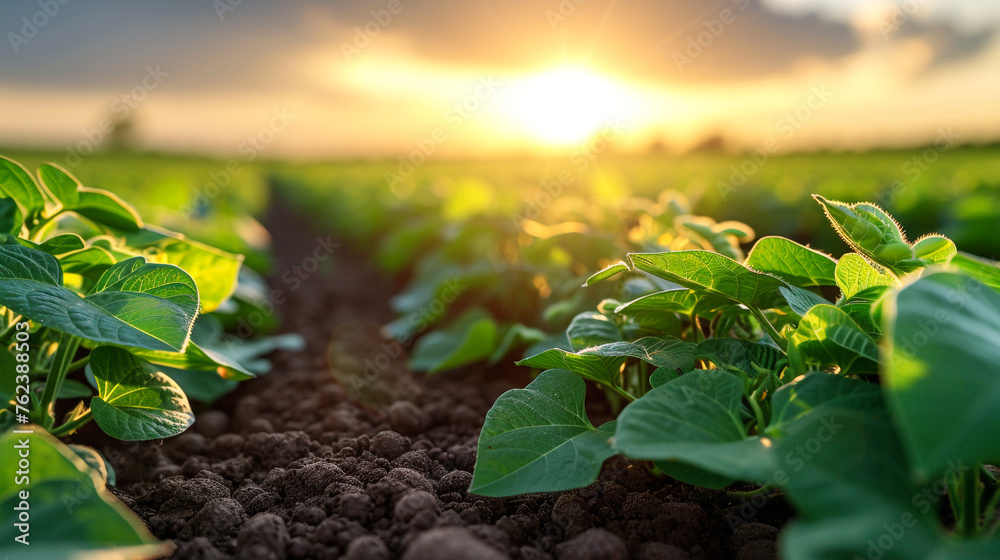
(133, 304)
(827, 336)
(855, 274)
(712, 274)
(539, 439)
(63, 186)
(134, 401)
(796, 264)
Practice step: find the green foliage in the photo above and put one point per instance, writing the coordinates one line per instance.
(60, 482)
(539, 439)
(732, 371)
(88, 291)
(942, 377)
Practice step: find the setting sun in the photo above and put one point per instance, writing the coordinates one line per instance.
(564, 106)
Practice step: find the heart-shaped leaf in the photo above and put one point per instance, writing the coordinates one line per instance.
(942, 375)
(796, 264)
(539, 439)
(134, 401)
(134, 304)
(695, 420)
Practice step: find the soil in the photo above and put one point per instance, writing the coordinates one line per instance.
(292, 466)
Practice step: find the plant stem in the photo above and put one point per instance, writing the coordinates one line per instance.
(752, 493)
(13, 320)
(769, 328)
(696, 333)
(65, 350)
(970, 501)
(79, 364)
(73, 425)
(758, 413)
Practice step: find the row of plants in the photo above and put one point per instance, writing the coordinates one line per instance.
(872, 411)
(105, 319)
(463, 247)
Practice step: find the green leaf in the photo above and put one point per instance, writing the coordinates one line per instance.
(846, 474)
(660, 352)
(134, 303)
(796, 264)
(740, 354)
(215, 272)
(987, 272)
(592, 329)
(867, 229)
(539, 439)
(62, 244)
(107, 209)
(607, 273)
(827, 336)
(470, 339)
(517, 336)
(942, 375)
(17, 183)
(695, 420)
(801, 300)
(717, 239)
(97, 464)
(815, 396)
(11, 219)
(135, 402)
(63, 186)
(651, 309)
(712, 274)
(197, 358)
(855, 274)
(91, 262)
(595, 367)
(934, 249)
(71, 511)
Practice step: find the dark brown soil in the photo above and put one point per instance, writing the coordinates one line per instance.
(289, 467)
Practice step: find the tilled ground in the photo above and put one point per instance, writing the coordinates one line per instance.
(289, 467)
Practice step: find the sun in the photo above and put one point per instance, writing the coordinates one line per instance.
(564, 106)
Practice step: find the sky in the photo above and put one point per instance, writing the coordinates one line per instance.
(381, 78)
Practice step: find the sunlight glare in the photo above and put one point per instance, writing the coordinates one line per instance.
(564, 106)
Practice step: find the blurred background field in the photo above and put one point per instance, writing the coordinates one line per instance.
(519, 236)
